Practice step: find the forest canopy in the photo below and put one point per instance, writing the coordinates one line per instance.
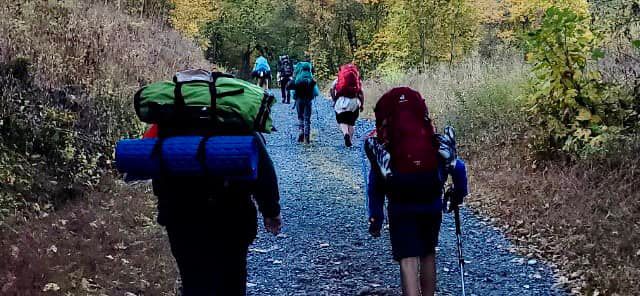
(382, 36)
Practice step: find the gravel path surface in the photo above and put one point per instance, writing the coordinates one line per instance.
(325, 248)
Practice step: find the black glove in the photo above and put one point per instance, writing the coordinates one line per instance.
(452, 199)
(375, 227)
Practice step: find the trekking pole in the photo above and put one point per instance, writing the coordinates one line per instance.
(365, 178)
(456, 212)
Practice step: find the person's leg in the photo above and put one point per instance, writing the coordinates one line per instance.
(189, 256)
(283, 90)
(428, 275)
(288, 93)
(409, 276)
(230, 271)
(307, 121)
(344, 128)
(430, 228)
(348, 141)
(352, 123)
(300, 107)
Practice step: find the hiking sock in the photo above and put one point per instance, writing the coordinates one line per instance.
(347, 140)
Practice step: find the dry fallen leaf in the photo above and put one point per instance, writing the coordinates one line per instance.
(51, 287)
(89, 285)
(15, 251)
(52, 249)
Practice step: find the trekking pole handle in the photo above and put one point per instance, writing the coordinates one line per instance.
(456, 212)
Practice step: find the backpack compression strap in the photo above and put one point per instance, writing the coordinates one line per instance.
(179, 98)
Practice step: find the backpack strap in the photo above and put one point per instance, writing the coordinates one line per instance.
(178, 98)
(262, 117)
(156, 154)
(214, 93)
(199, 76)
(201, 154)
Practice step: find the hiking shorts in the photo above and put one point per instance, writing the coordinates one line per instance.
(414, 234)
(347, 117)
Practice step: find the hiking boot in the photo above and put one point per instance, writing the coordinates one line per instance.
(300, 138)
(347, 141)
(307, 139)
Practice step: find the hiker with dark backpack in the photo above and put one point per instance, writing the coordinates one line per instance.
(285, 71)
(210, 168)
(305, 89)
(262, 72)
(408, 168)
(348, 98)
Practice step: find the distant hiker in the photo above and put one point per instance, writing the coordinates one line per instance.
(285, 71)
(208, 207)
(407, 169)
(348, 98)
(305, 89)
(262, 72)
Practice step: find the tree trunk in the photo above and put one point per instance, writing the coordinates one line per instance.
(245, 70)
(351, 37)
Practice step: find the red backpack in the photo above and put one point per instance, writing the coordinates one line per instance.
(403, 124)
(349, 84)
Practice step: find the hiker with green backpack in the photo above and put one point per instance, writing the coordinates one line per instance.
(304, 89)
(209, 168)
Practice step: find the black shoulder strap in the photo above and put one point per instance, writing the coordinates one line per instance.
(178, 98)
(214, 92)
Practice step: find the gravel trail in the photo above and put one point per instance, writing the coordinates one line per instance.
(325, 248)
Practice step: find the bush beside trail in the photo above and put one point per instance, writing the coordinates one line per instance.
(67, 73)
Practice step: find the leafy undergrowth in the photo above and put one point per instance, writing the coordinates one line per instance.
(107, 243)
(583, 217)
(68, 72)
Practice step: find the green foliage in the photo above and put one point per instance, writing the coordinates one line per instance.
(575, 110)
(242, 30)
(418, 34)
(377, 35)
(68, 70)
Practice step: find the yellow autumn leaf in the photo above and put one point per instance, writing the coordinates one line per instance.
(583, 114)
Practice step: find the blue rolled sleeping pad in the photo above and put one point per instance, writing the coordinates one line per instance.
(459, 178)
(229, 157)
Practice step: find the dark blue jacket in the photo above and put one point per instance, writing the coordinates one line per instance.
(424, 197)
(181, 197)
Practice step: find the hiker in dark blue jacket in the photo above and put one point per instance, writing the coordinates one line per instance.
(212, 222)
(414, 227)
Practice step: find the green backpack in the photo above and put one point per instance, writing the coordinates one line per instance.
(302, 73)
(239, 106)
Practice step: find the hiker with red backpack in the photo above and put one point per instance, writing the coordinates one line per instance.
(348, 98)
(409, 166)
